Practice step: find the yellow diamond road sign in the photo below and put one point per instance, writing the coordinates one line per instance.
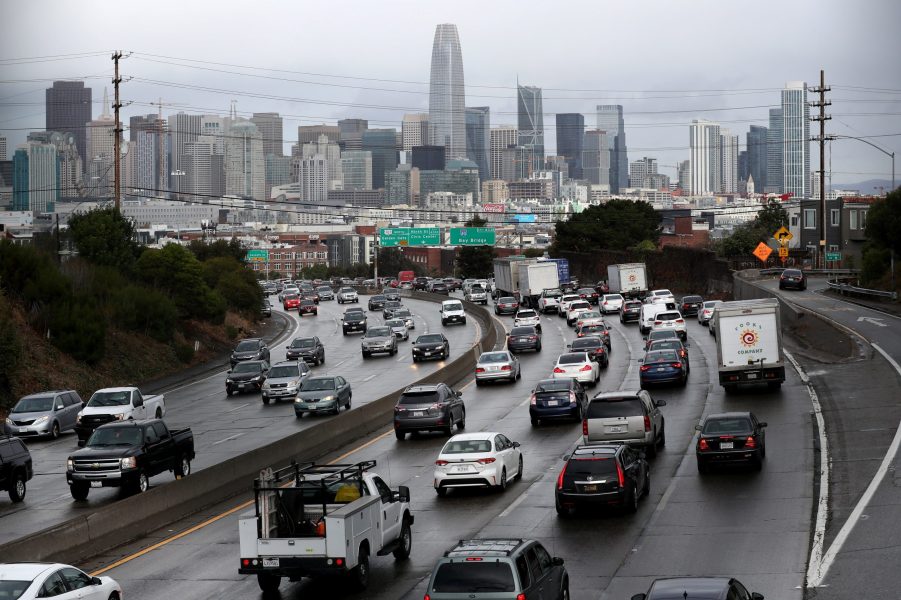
(783, 235)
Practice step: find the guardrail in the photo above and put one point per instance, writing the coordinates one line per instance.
(777, 270)
(847, 288)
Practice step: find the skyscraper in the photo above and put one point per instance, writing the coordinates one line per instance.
(245, 166)
(350, 133)
(270, 126)
(382, 144)
(428, 158)
(774, 177)
(100, 145)
(570, 134)
(706, 157)
(68, 109)
(478, 126)
(204, 169)
(447, 96)
(756, 142)
(331, 151)
(311, 133)
(414, 131)
(314, 179)
(530, 122)
(183, 129)
(795, 140)
(596, 158)
(356, 168)
(499, 139)
(684, 175)
(610, 119)
(3, 147)
(35, 177)
(729, 162)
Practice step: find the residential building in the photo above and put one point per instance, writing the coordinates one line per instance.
(774, 156)
(271, 128)
(596, 158)
(70, 165)
(428, 158)
(382, 144)
(35, 177)
(499, 139)
(245, 166)
(610, 119)
(314, 177)
(350, 133)
(183, 128)
(639, 171)
(570, 135)
(356, 169)
(729, 162)
(415, 131)
(795, 140)
(853, 226)
(447, 94)
(705, 145)
(756, 141)
(331, 151)
(530, 123)
(684, 175)
(68, 108)
(531, 189)
(495, 191)
(151, 164)
(478, 126)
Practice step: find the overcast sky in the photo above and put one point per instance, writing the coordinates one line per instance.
(666, 62)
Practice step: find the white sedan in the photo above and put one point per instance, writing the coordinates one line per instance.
(484, 459)
(578, 366)
(45, 580)
(527, 317)
(611, 303)
(591, 317)
(565, 301)
(660, 297)
(575, 309)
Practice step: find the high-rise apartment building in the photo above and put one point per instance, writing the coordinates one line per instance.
(596, 158)
(415, 131)
(530, 122)
(795, 140)
(729, 162)
(499, 139)
(271, 128)
(350, 133)
(640, 171)
(570, 134)
(774, 157)
(313, 177)
(245, 166)
(382, 144)
(71, 172)
(756, 143)
(68, 109)
(356, 168)
(183, 129)
(447, 95)
(610, 119)
(35, 177)
(684, 175)
(151, 164)
(478, 126)
(332, 153)
(706, 157)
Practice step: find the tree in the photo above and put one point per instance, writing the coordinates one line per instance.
(219, 248)
(104, 237)
(392, 261)
(619, 224)
(475, 261)
(771, 217)
(747, 236)
(175, 271)
(884, 222)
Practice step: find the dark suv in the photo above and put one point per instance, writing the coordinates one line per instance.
(602, 475)
(494, 568)
(15, 467)
(630, 311)
(435, 407)
(249, 349)
(309, 349)
(353, 321)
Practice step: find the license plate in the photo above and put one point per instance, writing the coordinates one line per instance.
(418, 414)
(521, 340)
(96, 484)
(460, 469)
(589, 488)
(270, 562)
(727, 445)
(616, 429)
(552, 403)
(659, 369)
(429, 353)
(752, 375)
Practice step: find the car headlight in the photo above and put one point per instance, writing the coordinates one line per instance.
(229, 380)
(77, 418)
(128, 463)
(327, 399)
(40, 420)
(9, 421)
(70, 464)
(119, 416)
(345, 323)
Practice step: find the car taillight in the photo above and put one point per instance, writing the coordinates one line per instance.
(677, 365)
(584, 426)
(560, 477)
(644, 368)
(750, 443)
(586, 368)
(506, 368)
(572, 398)
(658, 322)
(533, 400)
(426, 597)
(520, 597)
(486, 461)
(480, 370)
(680, 320)
(533, 338)
(703, 445)
(558, 370)
(320, 529)
(647, 423)
(620, 475)
(441, 463)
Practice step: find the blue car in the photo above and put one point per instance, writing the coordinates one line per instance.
(557, 399)
(663, 366)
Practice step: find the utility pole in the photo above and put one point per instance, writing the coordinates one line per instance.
(376, 260)
(822, 139)
(117, 131)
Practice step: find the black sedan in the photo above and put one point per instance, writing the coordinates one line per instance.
(690, 305)
(703, 588)
(377, 302)
(557, 399)
(794, 279)
(595, 347)
(589, 294)
(729, 438)
(430, 346)
(601, 475)
(600, 330)
(389, 307)
(506, 306)
(523, 338)
(247, 376)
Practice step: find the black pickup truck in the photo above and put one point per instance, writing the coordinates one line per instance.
(127, 455)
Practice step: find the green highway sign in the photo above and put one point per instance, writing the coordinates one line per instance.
(472, 236)
(834, 256)
(258, 255)
(409, 236)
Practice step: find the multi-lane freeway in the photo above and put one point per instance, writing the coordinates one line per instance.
(754, 526)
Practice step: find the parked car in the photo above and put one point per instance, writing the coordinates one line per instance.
(377, 302)
(323, 393)
(498, 365)
(630, 311)
(662, 366)
(676, 344)
(600, 475)
(729, 438)
(706, 312)
(307, 307)
(594, 346)
(527, 316)
(249, 349)
(579, 366)
(610, 303)
(631, 417)
(284, 380)
(794, 279)
(27, 581)
(690, 305)
(483, 459)
(44, 413)
(524, 338)
(557, 399)
(353, 321)
(670, 320)
(431, 407)
(290, 301)
(308, 349)
(429, 346)
(506, 305)
(399, 328)
(498, 568)
(247, 376)
(347, 294)
(325, 293)
(15, 467)
(714, 588)
(377, 340)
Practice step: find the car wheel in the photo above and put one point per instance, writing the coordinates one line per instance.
(349, 398)
(442, 492)
(564, 593)
(519, 470)
(651, 450)
(159, 412)
(268, 583)
(142, 484)
(406, 542)
(461, 424)
(54, 430)
(702, 467)
(662, 441)
(365, 355)
(400, 434)
(633, 500)
(646, 490)
(502, 485)
(478, 383)
(299, 415)
(183, 467)
(266, 401)
(17, 489)
(758, 463)
(360, 574)
(79, 490)
(538, 347)
(337, 409)
(562, 511)
(229, 391)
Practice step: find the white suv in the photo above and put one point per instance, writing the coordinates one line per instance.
(670, 320)
(549, 300)
(452, 312)
(527, 317)
(575, 309)
(347, 294)
(648, 314)
(476, 294)
(565, 301)
(611, 303)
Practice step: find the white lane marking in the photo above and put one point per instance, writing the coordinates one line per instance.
(513, 505)
(829, 557)
(338, 364)
(238, 408)
(229, 438)
(873, 320)
(371, 377)
(814, 565)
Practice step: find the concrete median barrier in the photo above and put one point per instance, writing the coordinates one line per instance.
(137, 516)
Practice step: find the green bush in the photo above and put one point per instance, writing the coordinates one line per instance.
(78, 328)
(144, 310)
(10, 353)
(240, 292)
(875, 265)
(231, 332)
(184, 351)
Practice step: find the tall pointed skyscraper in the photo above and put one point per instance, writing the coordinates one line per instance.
(530, 119)
(447, 97)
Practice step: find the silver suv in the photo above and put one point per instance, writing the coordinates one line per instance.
(630, 417)
(498, 568)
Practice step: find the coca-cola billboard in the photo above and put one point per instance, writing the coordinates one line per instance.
(494, 208)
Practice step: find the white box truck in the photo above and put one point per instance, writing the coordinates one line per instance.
(506, 275)
(534, 279)
(749, 343)
(630, 279)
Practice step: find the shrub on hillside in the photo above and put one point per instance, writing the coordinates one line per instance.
(146, 311)
(78, 328)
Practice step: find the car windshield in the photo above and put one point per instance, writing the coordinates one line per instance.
(579, 305)
(586, 291)
(572, 359)
(555, 385)
(307, 302)
(526, 314)
(522, 331)
(590, 315)
(466, 446)
(287, 297)
(668, 316)
(586, 343)
(303, 343)
(428, 397)
(116, 436)
(588, 464)
(354, 316)
(659, 335)
(615, 407)
(377, 332)
(632, 304)
(665, 345)
(347, 290)
(395, 323)
(247, 367)
(284, 371)
(38, 404)
(691, 299)
(570, 298)
(662, 293)
(614, 297)
(429, 339)
(318, 384)
(392, 304)
(453, 306)
(506, 300)
(791, 273)
(727, 425)
(323, 288)
(247, 346)
(712, 303)
(552, 294)
(493, 357)
(591, 328)
(122, 398)
(472, 577)
(403, 312)
(661, 356)
(378, 298)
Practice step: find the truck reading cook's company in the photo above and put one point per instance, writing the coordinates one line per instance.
(117, 404)
(534, 279)
(749, 343)
(319, 520)
(630, 280)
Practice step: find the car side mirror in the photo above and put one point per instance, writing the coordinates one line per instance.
(96, 581)
(403, 493)
(566, 456)
(557, 561)
(639, 597)
(229, 370)
(762, 423)
(659, 402)
(459, 394)
(516, 444)
(698, 427)
(687, 345)
(756, 596)
(81, 443)
(59, 407)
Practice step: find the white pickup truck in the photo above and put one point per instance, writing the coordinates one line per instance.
(117, 404)
(319, 520)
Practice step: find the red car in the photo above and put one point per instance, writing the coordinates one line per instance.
(307, 306)
(291, 301)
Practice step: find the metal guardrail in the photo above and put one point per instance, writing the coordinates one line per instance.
(837, 272)
(847, 288)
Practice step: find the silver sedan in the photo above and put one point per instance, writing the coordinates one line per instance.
(495, 366)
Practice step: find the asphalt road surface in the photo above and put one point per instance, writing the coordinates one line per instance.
(225, 426)
(750, 525)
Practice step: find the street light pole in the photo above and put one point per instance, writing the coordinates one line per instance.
(869, 143)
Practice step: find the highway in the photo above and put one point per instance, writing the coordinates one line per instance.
(226, 426)
(750, 525)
